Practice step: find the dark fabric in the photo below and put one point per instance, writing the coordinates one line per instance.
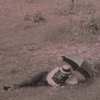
(38, 79)
(86, 70)
(59, 79)
(66, 70)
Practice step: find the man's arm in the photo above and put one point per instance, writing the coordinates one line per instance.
(50, 76)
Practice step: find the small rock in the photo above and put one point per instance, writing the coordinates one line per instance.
(76, 34)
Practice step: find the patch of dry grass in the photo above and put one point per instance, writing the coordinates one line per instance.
(50, 32)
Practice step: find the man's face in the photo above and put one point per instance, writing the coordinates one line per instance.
(64, 75)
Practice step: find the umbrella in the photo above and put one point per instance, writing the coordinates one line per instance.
(79, 64)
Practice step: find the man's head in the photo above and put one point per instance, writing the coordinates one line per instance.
(66, 70)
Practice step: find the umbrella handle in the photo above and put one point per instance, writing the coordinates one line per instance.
(74, 72)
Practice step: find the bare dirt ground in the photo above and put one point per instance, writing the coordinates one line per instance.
(32, 36)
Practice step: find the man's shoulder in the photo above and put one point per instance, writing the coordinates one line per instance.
(52, 72)
(57, 68)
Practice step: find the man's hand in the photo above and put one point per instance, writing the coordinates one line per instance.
(57, 85)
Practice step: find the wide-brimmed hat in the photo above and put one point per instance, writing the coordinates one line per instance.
(66, 69)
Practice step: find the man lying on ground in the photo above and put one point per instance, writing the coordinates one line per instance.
(59, 76)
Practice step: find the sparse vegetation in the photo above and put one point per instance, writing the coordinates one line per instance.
(34, 33)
